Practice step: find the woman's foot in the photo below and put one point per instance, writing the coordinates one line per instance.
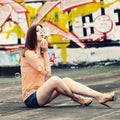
(84, 101)
(106, 97)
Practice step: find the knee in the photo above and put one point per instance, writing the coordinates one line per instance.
(66, 78)
(55, 80)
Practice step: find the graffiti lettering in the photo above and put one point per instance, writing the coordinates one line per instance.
(84, 21)
(118, 12)
(91, 18)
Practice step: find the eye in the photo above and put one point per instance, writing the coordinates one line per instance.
(42, 30)
(37, 30)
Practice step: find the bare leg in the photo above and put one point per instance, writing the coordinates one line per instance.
(66, 86)
(53, 96)
(55, 86)
(51, 89)
(82, 100)
(79, 88)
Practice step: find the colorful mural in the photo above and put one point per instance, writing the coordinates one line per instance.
(70, 26)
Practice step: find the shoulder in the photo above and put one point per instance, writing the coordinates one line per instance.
(29, 53)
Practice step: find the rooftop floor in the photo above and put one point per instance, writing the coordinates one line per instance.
(103, 79)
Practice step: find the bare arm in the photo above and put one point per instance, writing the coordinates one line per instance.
(44, 46)
(47, 63)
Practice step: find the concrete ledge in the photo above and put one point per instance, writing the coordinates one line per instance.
(9, 71)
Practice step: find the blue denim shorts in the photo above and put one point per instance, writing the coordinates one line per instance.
(31, 101)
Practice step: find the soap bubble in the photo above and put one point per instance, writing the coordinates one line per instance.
(17, 75)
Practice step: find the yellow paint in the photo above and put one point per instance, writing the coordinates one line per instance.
(31, 13)
(64, 54)
(56, 40)
(109, 4)
(18, 31)
(58, 18)
(87, 9)
(13, 28)
(19, 1)
(61, 19)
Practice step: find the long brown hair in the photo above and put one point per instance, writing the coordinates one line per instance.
(31, 38)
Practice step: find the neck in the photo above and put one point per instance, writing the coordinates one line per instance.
(38, 46)
(38, 49)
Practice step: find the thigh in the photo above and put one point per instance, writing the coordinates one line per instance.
(46, 93)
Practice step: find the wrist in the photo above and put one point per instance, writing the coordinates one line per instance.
(45, 49)
(48, 69)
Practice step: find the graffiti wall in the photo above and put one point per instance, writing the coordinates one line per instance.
(78, 32)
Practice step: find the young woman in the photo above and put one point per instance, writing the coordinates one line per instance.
(35, 67)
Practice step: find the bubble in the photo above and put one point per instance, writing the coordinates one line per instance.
(17, 75)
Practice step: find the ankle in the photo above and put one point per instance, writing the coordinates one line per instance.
(98, 96)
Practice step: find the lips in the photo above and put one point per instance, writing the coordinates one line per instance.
(43, 36)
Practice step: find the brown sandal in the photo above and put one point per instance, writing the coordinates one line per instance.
(84, 101)
(106, 97)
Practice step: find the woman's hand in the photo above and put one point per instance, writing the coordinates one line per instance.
(44, 45)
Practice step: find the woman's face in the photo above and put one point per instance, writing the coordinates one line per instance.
(40, 33)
